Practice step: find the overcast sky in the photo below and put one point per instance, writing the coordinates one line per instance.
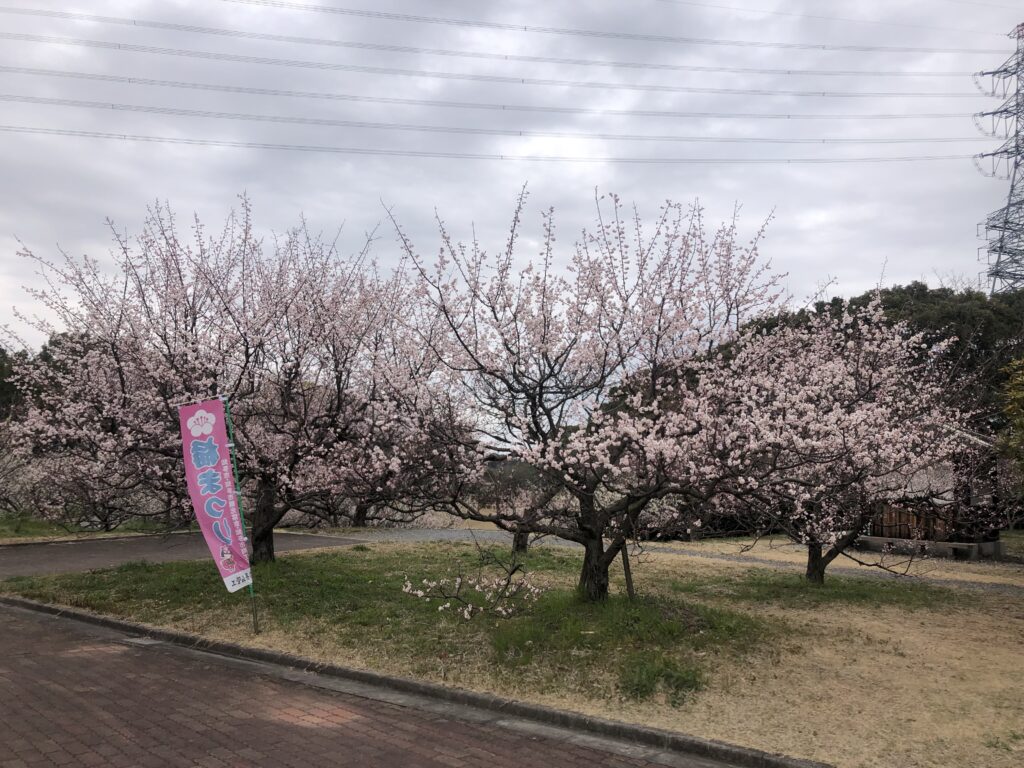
(845, 222)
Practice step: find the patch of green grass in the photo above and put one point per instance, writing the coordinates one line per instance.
(1014, 542)
(656, 643)
(554, 560)
(27, 527)
(1007, 744)
(139, 590)
(360, 548)
(794, 591)
(561, 623)
(14, 527)
(641, 677)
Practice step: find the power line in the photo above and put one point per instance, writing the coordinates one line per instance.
(470, 105)
(635, 36)
(475, 156)
(479, 55)
(436, 75)
(821, 17)
(983, 4)
(292, 120)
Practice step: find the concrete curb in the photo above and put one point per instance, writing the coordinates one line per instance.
(122, 537)
(293, 532)
(652, 737)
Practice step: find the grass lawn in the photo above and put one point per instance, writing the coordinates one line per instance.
(862, 672)
(1014, 542)
(26, 529)
(16, 528)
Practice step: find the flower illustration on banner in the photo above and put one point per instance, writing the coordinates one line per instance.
(201, 423)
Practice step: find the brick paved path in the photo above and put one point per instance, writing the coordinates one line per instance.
(77, 695)
(87, 554)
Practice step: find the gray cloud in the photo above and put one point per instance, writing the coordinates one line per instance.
(847, 222)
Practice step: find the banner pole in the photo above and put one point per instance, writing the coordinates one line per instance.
(238, 499)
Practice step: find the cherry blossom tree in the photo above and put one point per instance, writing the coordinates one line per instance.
(830, 418)
(1013, 403)
(79, 430)
(293, 335)
(19, 484)
(581, 369)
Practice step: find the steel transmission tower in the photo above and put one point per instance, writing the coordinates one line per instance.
(1004, 229)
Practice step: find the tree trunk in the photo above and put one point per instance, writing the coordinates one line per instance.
(627, 571)
(263, 521)
(360, 514)
(520, 542)
(815, 564)
(593, 584)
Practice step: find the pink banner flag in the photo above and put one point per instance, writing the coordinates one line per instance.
(211, 485)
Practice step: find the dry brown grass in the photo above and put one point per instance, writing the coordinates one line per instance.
(783, 551)
(874, 687)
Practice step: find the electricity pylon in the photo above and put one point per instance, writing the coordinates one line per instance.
(1004, 228)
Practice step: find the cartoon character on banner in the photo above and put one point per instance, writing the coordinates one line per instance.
(227, 560)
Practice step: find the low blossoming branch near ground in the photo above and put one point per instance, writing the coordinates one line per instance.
(500, 587)
(470, 596)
